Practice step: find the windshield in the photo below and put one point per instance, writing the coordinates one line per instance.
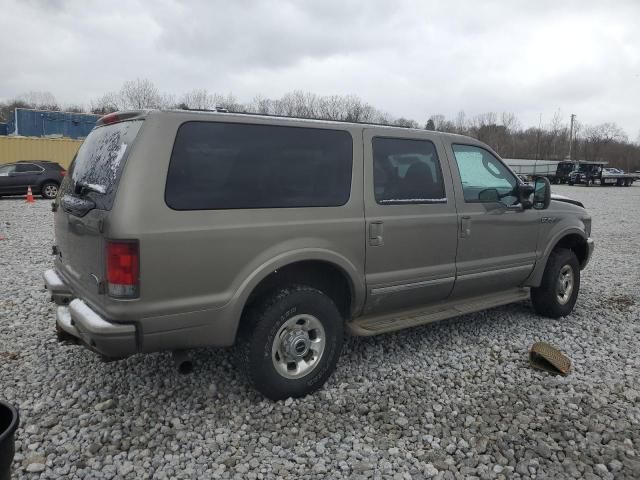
(97, 166)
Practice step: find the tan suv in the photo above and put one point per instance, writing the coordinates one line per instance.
(181, 229)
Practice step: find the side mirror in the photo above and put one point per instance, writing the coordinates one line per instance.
(524, 194)
(541, 193)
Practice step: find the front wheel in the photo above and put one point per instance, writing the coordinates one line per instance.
(557, 294)
(49, 190)
(291, 342)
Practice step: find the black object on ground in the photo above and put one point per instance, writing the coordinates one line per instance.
(9, 420)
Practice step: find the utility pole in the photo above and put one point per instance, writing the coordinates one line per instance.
(573, 116)
(538, 138)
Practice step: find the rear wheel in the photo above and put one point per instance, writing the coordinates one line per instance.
(49, 190)
(557, 294)
(291, 342)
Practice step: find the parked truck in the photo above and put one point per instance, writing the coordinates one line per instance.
(595, 173)
(557, 171)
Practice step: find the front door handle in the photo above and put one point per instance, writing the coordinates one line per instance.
(375, 234)
(465, 226)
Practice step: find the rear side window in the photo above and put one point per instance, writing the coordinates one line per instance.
(229, 166)
(406, 171)
(99, 161)
(28, 168)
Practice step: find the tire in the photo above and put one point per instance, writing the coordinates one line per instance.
(570, 184)
(49, 190)
(273, 334)
(549, 299)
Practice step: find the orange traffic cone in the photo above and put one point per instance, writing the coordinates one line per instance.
(30, 195)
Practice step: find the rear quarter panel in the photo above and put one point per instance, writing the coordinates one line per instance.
(209, 260)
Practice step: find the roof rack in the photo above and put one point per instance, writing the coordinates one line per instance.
(271, 115)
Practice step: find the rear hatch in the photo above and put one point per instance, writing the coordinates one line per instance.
(86, 196)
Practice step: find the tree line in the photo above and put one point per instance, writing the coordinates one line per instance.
(502, 131)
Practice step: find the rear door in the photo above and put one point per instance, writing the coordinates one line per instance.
(497, 238)
(27, 175)
(411, 220)
(87, 194)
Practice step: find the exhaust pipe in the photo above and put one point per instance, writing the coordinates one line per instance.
(183, 361)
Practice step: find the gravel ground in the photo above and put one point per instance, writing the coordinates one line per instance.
(450, 400)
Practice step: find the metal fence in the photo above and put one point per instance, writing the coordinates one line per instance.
(59, 150)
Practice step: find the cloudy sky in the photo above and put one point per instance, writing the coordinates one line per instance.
(410, 58)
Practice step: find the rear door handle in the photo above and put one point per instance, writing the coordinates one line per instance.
(375, 234)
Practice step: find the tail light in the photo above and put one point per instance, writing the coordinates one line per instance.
(123, 268)
(63, 173)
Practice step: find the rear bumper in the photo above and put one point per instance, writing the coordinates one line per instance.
(77, 319)
(138, 333)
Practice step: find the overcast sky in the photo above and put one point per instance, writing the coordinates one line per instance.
(410, 58)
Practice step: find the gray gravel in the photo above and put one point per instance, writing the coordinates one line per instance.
(451, 400)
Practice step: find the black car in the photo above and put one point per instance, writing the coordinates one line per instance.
(42, 176)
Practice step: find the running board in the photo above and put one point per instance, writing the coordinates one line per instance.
(389, 322)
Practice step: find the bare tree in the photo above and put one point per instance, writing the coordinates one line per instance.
(140, 93)
(438, 121)
(406, 122)
(107, 103)
(40, 100)
(597, 136)
(261, 105)
(461, 123)
(198, 99)
(74, 109)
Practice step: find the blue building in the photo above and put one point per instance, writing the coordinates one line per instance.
(42, 123)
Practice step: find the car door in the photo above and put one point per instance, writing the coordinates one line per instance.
(6, 178)
(411, 220)
(26, 174)
(497, 237)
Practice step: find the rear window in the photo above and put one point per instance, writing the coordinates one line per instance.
(99, 161)
(230, 166)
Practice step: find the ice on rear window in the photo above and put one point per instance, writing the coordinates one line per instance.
(99, 159)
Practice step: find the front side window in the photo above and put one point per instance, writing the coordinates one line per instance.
(218, 165)
(5, 170)
(406, 171)
(484, 177)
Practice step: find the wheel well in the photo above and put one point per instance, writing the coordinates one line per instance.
(48, 180)
(324, 276)
(575, 243)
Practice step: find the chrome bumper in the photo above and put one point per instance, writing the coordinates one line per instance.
(590, 246)
(84, 324)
